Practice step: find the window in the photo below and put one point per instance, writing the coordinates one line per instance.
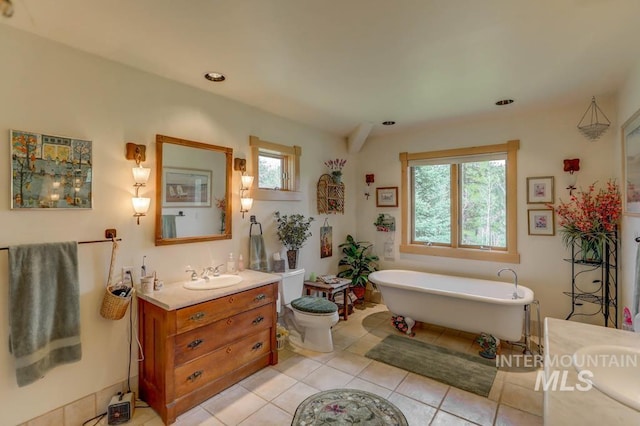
(277, 170)
(461, 203)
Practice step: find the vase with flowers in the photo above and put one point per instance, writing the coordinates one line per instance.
(590, 221)
(221, 205)
(336, 168)
(293, 231)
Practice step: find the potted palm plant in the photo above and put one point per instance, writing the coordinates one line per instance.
(293, 232)
(358, 263)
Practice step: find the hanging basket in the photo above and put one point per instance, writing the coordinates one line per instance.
(117, 297)
(116, 301)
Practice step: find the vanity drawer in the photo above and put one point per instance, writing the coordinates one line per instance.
(194, 374)
(214, 310)
(202, 340)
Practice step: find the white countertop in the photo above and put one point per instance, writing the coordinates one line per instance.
(592, 407)
(174, 296)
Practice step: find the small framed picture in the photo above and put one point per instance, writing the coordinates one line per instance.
(387, 196)
(540, 190)
(541, 222)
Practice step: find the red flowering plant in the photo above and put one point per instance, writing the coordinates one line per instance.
(591, 217)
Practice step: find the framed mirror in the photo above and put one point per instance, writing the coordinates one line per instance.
(193, 191)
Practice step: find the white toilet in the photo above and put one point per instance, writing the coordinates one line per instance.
(313, 316)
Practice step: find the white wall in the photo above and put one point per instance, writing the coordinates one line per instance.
(628, 104)
(546, 138)
(50, 88)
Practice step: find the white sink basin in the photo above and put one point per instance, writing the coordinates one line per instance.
(213, 282)
(615, 370)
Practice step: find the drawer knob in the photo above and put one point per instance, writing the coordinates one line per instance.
(260, 297)
(195, 375)
(256, 346)
(258, 320)
(195, 343)
(197, 316)
(229, 321)
(231, 300)
(229, 350)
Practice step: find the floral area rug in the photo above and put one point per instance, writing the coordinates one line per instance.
(346, 407)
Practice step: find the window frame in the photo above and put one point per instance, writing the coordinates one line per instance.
(291, 166)
(510, 255)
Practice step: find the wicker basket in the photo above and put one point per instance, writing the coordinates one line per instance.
(113, 306)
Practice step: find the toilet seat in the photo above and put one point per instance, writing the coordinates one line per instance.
(312, 305)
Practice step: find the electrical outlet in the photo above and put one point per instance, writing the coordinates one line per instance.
(127, 275)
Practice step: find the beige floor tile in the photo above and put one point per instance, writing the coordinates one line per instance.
(325, 378)
(415, 412)
(423, 389)
(526, 379)
(269, 415)
(197, 416)
(233, 405)
(443, 418)
(358, 383)
(292, 397)
(522, 398)
(268, 383)
(321, 357)
(349, 362)
(383, 374)
(157, 421)
(469, 406)
(141, 416)
(285, 354)
(496, 390)
(297, 366)
(508, 416)
(364, 344)
(342, 340)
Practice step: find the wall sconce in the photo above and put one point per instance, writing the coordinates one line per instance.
(572, 166)
(369, 179)
(240, 164)
(140, 177)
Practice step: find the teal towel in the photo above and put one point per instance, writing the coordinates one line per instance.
(169, 226)
(44, 308)
(257, 254)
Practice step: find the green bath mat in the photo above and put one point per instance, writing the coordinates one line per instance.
(463, 371)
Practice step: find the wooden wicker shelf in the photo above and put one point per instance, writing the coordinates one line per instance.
(330, 195)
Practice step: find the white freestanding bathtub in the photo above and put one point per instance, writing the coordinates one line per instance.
(468, 304)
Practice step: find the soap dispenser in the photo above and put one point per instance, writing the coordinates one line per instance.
(231, 265)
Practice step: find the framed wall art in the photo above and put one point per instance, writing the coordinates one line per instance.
(541, 222)
(326, 240)
(540, 190)
(50, 172)
(631, 166)
(186, 187)
(387, 196)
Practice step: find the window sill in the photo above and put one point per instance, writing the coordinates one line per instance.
(275, 195)
(461, 253)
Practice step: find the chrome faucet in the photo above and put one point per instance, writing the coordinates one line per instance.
(205, 272)
(515, 293)
(194, 275)
(216, 270)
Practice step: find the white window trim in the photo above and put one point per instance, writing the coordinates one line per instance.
(292, 153)
(511, 255)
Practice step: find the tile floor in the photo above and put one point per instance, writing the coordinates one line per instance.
(271, 396)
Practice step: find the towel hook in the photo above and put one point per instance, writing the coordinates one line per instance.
(253, 221)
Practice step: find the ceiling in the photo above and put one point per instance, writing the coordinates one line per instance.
(340, 64)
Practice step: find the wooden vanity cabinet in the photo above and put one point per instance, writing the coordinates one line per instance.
(193, 353)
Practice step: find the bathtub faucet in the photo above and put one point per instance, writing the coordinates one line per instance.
(515, 293)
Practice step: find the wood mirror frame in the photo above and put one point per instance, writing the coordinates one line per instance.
(194, 191)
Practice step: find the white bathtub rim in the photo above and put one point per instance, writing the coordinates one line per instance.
(525, 293)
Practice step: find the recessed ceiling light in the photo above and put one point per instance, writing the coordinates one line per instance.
(215, 76)
(388, 123)
(504, 102)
